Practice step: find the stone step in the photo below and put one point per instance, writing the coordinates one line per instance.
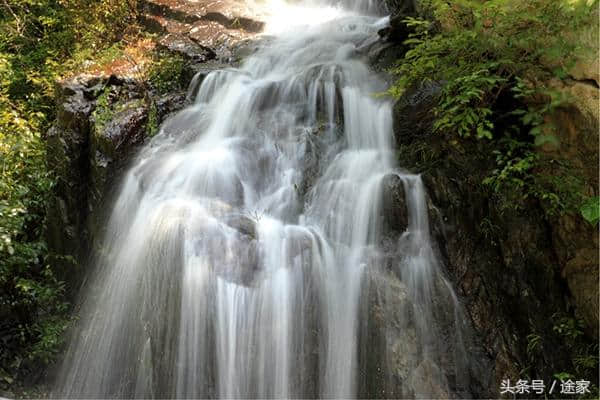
(201, 40)
(159, 24)
(229, 13)
(243, 23)
(167, 9)
(185, 46)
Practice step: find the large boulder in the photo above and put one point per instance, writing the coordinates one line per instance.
(118, 126)
(100, 124)
(68, 155)
(391, 335)
(400, 362)
(186, 47)
(393, 208)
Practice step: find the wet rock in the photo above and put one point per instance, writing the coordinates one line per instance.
(395, 349)
(241, 266)
(168, 104)
(231, 15)
(87, 147)
(503, 262)
(112, 143)
(509, 264)
(186, 47)
(200, 30)
(499, 263)
(398, 30)
(311, 164)
(67, 155)
(390, 47)
(401, 7)
(247, 47)
(243, 23)
(581, 273)
(168, 9)
(123, 130)
(413, 112)
(428, 381)
(243, 224)
(393, 207)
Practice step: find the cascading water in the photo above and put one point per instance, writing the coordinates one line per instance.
(246, 257)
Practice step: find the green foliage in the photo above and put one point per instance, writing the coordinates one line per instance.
(103, 112)
(40, 42)
(152, 125)
(563, 376)
(534, 345)
(32, 301)
(492, 59)
(463, 104)
(590, 210)
(517, 179)
(532, 117)
(584, 357)
(587, 360)
(166, 72)
(569, 328)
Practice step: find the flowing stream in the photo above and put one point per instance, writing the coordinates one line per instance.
(248, 253)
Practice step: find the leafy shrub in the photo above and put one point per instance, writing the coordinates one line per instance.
(32, 305)
(492, 58)
(40, 41)
(166, 72)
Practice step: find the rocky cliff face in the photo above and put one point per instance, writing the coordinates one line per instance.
(576, 127)
(521, 273)
(101, 122)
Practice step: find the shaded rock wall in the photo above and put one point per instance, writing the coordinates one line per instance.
(576, 128)
(506, 264)
(518, 272)
(101, 123)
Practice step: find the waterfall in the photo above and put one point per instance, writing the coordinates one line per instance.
(248, 255)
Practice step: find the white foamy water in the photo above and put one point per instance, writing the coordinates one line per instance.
(240, 254)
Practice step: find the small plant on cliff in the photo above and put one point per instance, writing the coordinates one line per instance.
(590, 210)
(584, 356)
(166, 73)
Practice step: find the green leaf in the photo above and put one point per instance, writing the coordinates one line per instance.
(560, 73)
(563, 376)
(541, 140)
(590, 210)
